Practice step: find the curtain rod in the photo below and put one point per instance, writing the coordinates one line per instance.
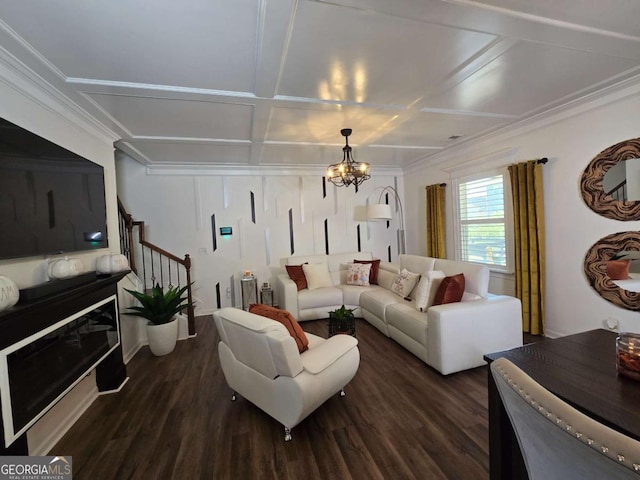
(441, 184)
(542, 160)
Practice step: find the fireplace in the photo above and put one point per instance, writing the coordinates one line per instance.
(49, 345)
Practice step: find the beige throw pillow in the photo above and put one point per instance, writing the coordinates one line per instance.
(404, 282)
(317, 275)
(427, 288)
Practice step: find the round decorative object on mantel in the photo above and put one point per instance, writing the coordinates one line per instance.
(64, 268)
(112, 263)
(9, 293)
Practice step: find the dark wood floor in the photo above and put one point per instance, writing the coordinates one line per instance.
(174, 419)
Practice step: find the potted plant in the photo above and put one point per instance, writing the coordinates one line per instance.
(160, 309)
(342, 320)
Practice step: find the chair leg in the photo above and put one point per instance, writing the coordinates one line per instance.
(342, 394)
(233, 397)
(287, 434)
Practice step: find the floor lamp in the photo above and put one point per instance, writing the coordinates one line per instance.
(382, 212)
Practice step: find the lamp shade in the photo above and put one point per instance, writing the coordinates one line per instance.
(379, 211)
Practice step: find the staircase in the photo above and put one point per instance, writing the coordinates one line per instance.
(152, 264)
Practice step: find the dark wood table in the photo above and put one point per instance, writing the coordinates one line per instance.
(581, 370)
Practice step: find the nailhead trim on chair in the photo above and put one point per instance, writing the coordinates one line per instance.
(560, 423)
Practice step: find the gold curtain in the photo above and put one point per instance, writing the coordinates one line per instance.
(436, 246)
(528, 214)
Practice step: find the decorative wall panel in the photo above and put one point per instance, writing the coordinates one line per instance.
(299, 215)
(291, 239)
(253, 208)
(326, 236)
(214, 233)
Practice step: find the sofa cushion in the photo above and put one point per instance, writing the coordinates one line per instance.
(405, 282)
(317, 275)
(358, 274)
(297, 275)
(285, 318)
(376, 301)
(375, 266)
(418, 264)
(476, 277)
(470, 297)
(406, 318)
(450, 290)
(319, 297)
(425, 292)
(387, 274)
(351, 293)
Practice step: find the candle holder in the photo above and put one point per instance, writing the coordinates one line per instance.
(628, 355)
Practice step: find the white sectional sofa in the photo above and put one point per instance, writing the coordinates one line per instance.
(450, 337)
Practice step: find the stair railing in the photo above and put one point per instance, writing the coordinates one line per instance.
(152, 264)
(619, 192)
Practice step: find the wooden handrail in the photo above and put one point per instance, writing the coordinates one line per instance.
(617, 187)
(126, 243)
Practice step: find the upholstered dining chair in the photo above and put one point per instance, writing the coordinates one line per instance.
(557, 441)
(261, 361)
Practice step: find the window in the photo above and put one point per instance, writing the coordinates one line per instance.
(483, 233)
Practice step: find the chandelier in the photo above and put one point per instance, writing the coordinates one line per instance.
(348, 171)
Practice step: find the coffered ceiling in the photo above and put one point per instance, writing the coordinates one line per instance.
(272, 82)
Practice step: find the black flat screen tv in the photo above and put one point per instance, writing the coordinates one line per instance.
(51, 200)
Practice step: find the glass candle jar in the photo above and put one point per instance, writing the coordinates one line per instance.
(628, 355)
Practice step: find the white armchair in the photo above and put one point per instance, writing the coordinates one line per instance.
(261, 362)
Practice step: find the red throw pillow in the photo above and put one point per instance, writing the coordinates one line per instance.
(450, 290)
(375, 266)
(618, 269)
(297, 275)
(285, 318)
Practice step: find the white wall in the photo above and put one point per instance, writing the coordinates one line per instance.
(570, 140)
(177, 209)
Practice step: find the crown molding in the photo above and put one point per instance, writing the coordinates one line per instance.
(31, 85)
(124, 147)
(620, 91)
(544, 20)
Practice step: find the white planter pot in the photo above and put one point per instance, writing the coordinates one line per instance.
(163, 338)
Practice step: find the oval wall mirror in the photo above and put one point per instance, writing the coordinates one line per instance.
(609, 185)
(619, 253)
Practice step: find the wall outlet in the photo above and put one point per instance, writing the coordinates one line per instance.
(202, 251)
(228, 292)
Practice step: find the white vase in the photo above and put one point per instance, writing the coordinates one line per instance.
(163, 337)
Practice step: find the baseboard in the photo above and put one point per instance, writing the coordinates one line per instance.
(116, 390)
(128, 356)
